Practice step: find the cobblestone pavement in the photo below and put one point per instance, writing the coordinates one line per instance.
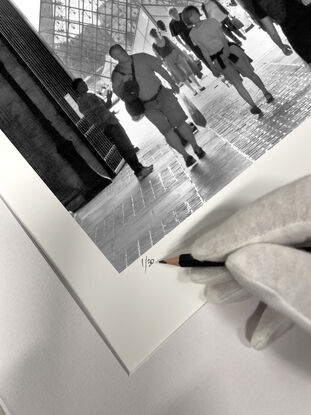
(128, 217)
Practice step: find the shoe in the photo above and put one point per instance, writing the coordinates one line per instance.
(203, 88)
(144, 172)
(190, 161)
(255, 110)
(250, 27)
(199, 152)
(269, 98)
(193, 128)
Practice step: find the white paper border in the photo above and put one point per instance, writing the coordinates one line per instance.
(136, 311)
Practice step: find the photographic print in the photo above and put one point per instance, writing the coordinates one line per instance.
(220, 86)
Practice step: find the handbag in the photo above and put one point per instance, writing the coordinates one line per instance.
(133, 104)
(236, 22)
(194, 112)
(195, 66)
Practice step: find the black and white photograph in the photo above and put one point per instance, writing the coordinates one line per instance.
(136, 113)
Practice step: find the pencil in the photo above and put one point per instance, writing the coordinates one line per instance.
(187, 260)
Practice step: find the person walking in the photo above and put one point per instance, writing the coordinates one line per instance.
(97, 112)
(193, 61)
(215, 10)
(223, 57)
(175, 61)
(160, 105)
(294, 18)
(180, 31)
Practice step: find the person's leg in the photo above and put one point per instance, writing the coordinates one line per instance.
(232, 75)
(231, 27)
(158, 117)
(248, 71)
(239, 33)
(229, 34)
(258, 82)
(173, 141)
(242, 91)
(189, 85)
(185, 67)
(196, 82)
(177, 119)
(187, 133)
(118, 136)
(185, 71)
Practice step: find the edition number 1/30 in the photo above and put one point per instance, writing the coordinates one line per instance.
(147, 263)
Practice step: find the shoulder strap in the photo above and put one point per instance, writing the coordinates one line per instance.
(133, 69)
(117, 70)
(204, 10)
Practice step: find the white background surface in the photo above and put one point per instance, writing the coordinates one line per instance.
(53, 362)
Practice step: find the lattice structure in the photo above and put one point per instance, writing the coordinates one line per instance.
(81, 32)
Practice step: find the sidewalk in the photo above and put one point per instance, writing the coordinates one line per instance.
(128, 217)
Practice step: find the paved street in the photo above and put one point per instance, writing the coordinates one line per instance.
(128, 217)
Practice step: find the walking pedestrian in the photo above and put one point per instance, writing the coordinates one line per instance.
(216, 10)
(180, 31)
(195, 64)
(175, 61)
(294, 18)
(97, 112)
(223, 57)
(160, 105)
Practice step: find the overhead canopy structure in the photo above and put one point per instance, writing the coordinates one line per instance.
(81, 32)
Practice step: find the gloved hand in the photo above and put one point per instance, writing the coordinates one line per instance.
(254, 243)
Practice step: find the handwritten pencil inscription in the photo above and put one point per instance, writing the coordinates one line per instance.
(146, 263)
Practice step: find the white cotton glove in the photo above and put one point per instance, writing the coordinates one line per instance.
(283, 218)
(264, 326)
(220, 286)
(280, 276)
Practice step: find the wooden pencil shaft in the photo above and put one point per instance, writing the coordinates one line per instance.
(187, 260)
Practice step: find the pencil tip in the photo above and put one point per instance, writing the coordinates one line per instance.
(162, 261)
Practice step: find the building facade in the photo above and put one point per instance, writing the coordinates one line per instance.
(37, 114)
(82, 31)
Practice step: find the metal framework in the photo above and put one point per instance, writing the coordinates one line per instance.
(81, 32)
